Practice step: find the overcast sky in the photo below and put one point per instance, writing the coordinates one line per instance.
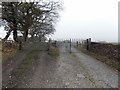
(96, 19)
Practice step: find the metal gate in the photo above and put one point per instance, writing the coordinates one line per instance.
(41, 46)
(68, 46)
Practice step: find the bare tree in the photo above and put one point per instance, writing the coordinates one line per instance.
(34, 17)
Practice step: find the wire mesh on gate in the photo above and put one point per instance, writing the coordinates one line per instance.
(69, 45)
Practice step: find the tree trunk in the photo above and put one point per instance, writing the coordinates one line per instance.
(8, 34)
(25, 35)
(15, 35)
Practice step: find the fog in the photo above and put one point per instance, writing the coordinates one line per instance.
(96, 19)
(81, 19)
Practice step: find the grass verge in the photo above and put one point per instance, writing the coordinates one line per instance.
(113, 64)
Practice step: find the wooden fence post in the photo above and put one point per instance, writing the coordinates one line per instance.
(55, 43)
(77, 43)
(87, 44)
(49, 44)
(20, 43)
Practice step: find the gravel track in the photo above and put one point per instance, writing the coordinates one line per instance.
(75, 70)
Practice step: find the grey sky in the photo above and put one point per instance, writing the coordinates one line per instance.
(97, 19)
(81, 19)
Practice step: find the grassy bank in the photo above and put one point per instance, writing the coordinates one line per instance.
(112, 63)
(8, 52)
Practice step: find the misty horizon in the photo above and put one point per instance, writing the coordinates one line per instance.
(80, 19)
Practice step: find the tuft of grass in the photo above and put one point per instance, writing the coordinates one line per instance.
(113, 64)
(74, 55)
(54, 51)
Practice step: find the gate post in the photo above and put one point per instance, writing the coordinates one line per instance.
(87, 44)
(70, 45)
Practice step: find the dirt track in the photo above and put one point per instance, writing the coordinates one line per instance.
(75, 70)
